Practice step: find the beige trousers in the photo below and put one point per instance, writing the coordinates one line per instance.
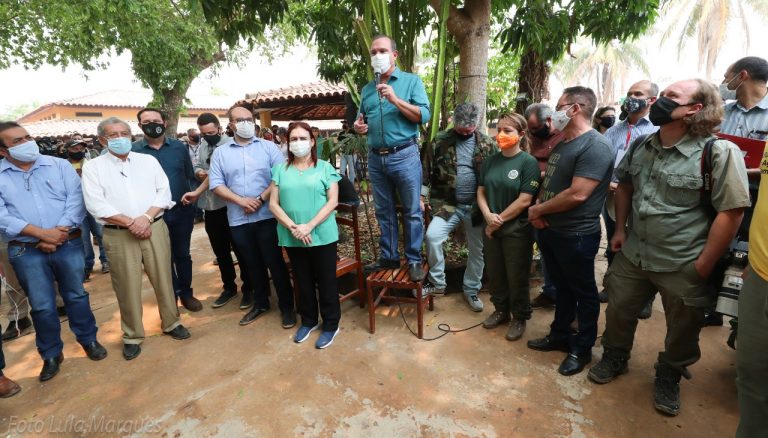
(126, 255)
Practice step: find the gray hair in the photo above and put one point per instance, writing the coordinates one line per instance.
(541, 110)
(465, 115)
(110, 121)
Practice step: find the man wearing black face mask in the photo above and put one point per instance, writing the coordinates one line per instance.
(175, 161)
(671, 244)
(635, 123)
(216, 223)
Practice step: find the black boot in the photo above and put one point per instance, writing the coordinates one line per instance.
(611, 365)
(667, 389)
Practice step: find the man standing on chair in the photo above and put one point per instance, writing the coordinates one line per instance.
(451, 166)
(391, 110)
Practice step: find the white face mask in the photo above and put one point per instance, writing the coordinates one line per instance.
(560, 119)
(300, 148)
(726, 93)
(245, 129)
(380, 63)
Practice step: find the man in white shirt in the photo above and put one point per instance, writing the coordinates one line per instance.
(129, 192)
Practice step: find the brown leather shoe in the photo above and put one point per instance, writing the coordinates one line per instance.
(515, 330)
(192, 304)
(8, 387)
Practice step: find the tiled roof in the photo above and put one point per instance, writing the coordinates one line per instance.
(303, 91)
(140, 98)
(86, 127)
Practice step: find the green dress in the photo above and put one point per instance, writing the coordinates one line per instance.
(302, 195)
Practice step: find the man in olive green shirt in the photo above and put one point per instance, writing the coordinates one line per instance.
(671, 243)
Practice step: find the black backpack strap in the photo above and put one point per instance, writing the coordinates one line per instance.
(635, 144)
(708, 181)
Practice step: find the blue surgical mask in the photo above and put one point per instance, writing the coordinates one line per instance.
(26, 152)
(120, 145)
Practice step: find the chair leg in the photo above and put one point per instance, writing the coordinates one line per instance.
(431, 303)
(371, 309)
(360, 286)
(420, 311)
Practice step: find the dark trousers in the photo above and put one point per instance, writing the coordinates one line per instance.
(571, 263)
(610, 228)
(257, 243)
(314, 268)
(217, 228)
(508, 265)
(180, 221)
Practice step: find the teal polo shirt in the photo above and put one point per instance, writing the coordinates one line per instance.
(398, 129)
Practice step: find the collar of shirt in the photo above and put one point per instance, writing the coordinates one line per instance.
(763, 105)
(42, 160)
(233, 143)
(144, 144)
(686, 145)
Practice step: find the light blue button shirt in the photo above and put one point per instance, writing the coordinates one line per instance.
(398, 129)
(742, 122)
(622, 135)
(247, 171)
(47, 195)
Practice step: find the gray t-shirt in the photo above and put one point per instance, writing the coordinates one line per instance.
(466, 180)
(589, 155)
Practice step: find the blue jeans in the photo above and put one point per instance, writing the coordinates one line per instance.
(37, 272)
(570, 259)
(88, 227)
(548, 289)
(180, 221)
(348, 166)
(437, 234)
(398, 174)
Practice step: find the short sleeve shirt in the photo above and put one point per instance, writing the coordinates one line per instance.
(669, 225)
(302, 195)
(589, 155)
(505, 178)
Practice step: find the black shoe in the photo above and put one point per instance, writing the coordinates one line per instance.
(666, 390)
(542, 301)
(131, 351)
(610, 367)
(712, 319)
(191, 303)
(247, 301)
(416, 271)
(224, 298)
(574, 363)
(179, 333)
(548, 344)
(252, 315)
(603, 296)
(95, 351)
(87, 275)
(51, 367)
(647, 310)
(289, 319)
(17, 328)
(380, 265)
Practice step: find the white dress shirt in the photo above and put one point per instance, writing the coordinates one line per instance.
(112, 186)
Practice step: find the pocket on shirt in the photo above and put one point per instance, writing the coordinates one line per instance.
(684, 190)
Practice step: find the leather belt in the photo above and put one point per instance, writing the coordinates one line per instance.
(120, 227)
(73, 235)
(392, 150)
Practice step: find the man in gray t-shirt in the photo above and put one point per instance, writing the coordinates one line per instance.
(567, 216)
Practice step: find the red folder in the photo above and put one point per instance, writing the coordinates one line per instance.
(751, 148)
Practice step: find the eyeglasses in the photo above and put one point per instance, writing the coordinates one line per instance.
(242, 119)
(558, 108)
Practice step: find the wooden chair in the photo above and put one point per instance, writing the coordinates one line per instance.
(392, 280)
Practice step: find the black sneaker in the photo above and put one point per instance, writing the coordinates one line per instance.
(224, 298)
(247, 301)
(381, 265)
(666, 390)
(288, 319)
(609, 367)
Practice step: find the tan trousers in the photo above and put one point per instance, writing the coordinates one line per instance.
(19, 304)
(126, 255)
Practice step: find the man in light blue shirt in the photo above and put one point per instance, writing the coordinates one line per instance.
(640, 97)
(241, 174)
(41, 209)
(391, 110)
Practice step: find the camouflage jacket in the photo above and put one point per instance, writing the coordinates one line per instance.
(439, 169)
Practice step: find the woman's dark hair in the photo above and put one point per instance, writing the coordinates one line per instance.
(305, 126)
(599, 113)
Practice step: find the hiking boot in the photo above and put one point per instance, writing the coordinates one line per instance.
(542, 301)
(515, 330)
(666, 389)
(496, 319)
(611, 365)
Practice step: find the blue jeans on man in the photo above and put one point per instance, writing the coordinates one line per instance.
(570, 260)
(548, 289)
(398, 173)
(38, 272)
(437, 234)
(180, 221)
(91, 227)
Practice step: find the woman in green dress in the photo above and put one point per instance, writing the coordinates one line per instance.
(303, 200)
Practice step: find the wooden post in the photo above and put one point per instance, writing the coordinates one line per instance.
(265, 119)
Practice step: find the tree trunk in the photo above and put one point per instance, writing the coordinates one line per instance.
(173, 101)
(533, 80)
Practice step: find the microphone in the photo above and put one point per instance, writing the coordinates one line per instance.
(377, 80)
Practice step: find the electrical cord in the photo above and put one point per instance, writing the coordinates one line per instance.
(443, 327)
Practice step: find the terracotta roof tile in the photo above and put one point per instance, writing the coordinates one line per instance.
(86, 127)
(139, 99)
(303, 91)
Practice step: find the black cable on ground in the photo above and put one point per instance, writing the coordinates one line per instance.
(443, 327)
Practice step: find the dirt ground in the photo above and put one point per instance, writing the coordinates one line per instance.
(233, 381)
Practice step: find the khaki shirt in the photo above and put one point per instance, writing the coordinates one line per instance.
(668, 226)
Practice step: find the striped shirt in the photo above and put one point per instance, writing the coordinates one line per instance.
(622, 134)
(751, 123)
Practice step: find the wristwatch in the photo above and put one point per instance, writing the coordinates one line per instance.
(260, 199)
(149, 218)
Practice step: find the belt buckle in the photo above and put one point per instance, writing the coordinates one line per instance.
(383, 151)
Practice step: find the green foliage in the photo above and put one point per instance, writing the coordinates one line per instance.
(502, 82)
